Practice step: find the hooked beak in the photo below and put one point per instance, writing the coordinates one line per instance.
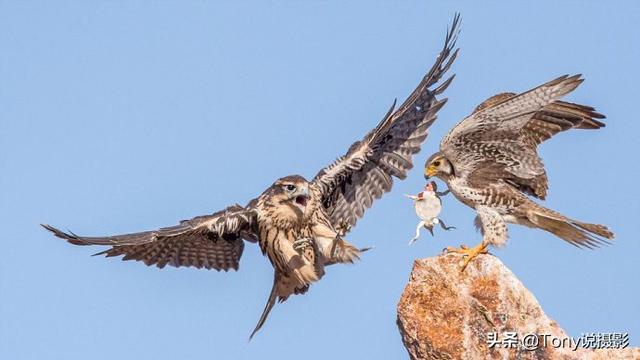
(429, 172)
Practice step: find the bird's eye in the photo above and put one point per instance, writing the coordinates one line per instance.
(290, 187)
(436, 163)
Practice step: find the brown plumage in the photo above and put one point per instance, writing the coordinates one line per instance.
(490, 162)
(298, 224)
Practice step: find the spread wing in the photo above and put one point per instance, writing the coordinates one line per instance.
(210, 241)
(504, 131)
(553, 118)
(351, 184)
(510, 115)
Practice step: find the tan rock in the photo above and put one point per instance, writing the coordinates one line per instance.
(446, 314)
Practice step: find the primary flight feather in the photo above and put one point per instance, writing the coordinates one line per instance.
(298, 224)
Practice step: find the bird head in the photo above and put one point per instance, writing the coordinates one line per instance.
(431, 186)
(437, 165)
(292, 191)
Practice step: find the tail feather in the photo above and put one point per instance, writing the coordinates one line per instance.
(574, 232)
(597, 229)
(267, 308)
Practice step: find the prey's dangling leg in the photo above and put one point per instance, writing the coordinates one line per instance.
(443, 193)
(445, 227)
(420, 224)
(430, 228)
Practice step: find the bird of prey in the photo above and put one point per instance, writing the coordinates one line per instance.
(490, 162)
(298, 224)
(428, 206)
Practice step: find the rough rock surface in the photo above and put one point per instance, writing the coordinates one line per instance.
(446, 314)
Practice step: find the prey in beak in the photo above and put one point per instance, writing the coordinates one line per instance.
(437, 164)
(429, 172)
(428, 205)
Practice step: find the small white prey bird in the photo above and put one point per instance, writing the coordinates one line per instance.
(428, 206)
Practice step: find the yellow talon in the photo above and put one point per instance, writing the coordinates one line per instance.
(468, 253)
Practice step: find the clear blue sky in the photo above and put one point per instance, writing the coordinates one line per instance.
(122, 116)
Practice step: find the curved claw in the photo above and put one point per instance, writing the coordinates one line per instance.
(467, 253)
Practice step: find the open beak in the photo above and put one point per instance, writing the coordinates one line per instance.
(302, 197)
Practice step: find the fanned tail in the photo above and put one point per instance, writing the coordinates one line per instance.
(575, 232)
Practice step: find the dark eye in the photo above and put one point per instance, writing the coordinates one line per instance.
(436, 163)
(290, 187)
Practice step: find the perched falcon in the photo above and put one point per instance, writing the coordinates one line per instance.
(298, 224)
(490, 162)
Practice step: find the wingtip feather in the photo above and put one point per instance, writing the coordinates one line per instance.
(69, 237)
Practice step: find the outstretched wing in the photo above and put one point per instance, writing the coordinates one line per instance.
(509, 116)
(210, 241)
(351, 184)
(503, 134)
(553, 118)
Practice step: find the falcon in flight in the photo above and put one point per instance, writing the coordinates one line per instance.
(490, 162)
(298, 224)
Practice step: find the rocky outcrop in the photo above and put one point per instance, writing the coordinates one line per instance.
(482, 313)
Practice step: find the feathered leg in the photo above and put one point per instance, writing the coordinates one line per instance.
(494, 231)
